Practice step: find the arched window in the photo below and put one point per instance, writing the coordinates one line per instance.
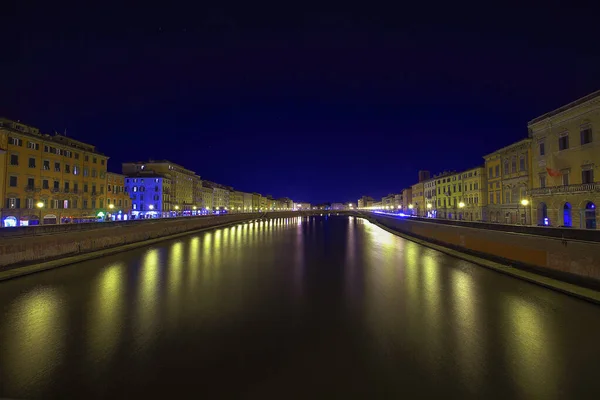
(590, 215)
(567, 219)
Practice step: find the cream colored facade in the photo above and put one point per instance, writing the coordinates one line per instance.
(474, 194)
(63, 175)
(566, 142)
(236, 201)
(183, 181)
(418, 199)
(514, 164)
(207, 198)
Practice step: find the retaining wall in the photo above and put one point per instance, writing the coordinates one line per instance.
(571, 259)
(67, 240)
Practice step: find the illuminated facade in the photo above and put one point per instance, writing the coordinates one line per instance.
(407, 208)
(150, 196)
(236, 201)
(182, 181)
(565, 160)
(510, 188)
(49, 179)
(221, 195)
(118, 202)
(429, 188)
(474, 194)
(418, 199)
(207, 199)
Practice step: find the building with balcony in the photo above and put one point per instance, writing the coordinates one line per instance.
(365, 202)
(236, 201)
(183, 182)
(407, 196)
(418, 199)
(118, 202)
(207, 199)
(150, 195)
(221, 195)
(474, 194)
(565, 187)
(49, 179)
(429, 187)
(450, 195)
(510, 188)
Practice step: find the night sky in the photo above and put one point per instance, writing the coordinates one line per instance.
(318, 105)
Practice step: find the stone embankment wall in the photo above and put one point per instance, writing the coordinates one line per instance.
(37, 244)
(568, 258)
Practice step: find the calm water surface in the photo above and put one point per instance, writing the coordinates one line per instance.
(290, 308)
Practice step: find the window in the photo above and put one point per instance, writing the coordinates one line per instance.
(31, 162)
(497, 170)
(94, 160)
(93, 203)
(156, 188)
(46, 149)
(45, 184)
(33, 146)
(476, 186)
(491, 198)
(46, 165)
(75, 169)
(77, 156)
(102, 162)
(134, 206)
(497, 185)
(543, 181)
(94, 189)
(101, 203)
(74, 203)
(12, 202)
(506, 197)
(109, 188)
(67, 169)
(85, 188)
(506, 167)
(56, 185)
(514, 164)
(67, 153)
(29, 203)
(14, 159)
(85, 203)
(586, 136)
(15, 141)
(587, 176)
(101, 189)
(66, 204)
(86, 172)
(542, 148)
(55, 204)
(135, 188)
(522, 163)
(94, 173)
(87, 158)
(57, 166)
(75, 188)
(12, 181)
(563, 141)
(30, 183)
(565, 178)
(497, 197)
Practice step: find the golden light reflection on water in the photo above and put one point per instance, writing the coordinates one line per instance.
(468, 323)
(533, 351)
(174, 273)
(148, 294)
(194, 262)
(105, 324)
(35, 324)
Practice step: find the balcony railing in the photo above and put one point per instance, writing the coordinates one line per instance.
(32, 189)
(55, 190)
(580, 188)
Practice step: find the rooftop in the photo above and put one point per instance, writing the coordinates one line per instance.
(573, 104)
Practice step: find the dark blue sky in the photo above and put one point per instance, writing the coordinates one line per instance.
(318, 105)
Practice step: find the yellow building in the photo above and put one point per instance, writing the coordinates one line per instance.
(207, 199)
(494, 187)
(418, 199)
(183, 181)
(236, 201)
(449, 195)
(118, 203)
(50, 178)
(566, 157)
(510, 190)
(407, 207)
(474, 194)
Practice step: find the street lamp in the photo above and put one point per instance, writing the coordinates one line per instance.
(461, 205)
(40, 205)
(525, 203)
(111, 206)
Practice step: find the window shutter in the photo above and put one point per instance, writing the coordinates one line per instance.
(18, 203)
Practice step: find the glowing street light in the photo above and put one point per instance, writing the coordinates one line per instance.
(40, 204)
(429, 205)
(410, 206)
(150, 207)
(525, 202)
(194, 208)
(111, 206)
(177, 207)
(461, 204)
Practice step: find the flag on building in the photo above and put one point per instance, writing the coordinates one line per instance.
(553, 172)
